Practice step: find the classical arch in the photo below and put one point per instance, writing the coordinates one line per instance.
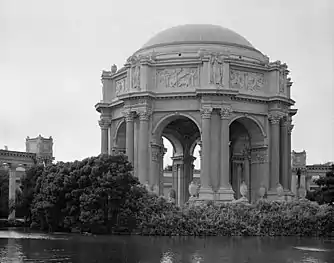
(246, 135)
(175, 141)
(158, 128)
(120, 136)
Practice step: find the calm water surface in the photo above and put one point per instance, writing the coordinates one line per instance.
(20, 246)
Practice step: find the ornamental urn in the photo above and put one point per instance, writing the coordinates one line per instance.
(243, 189)
(262, 191)
(113, 69)
(193, 189)
(279, 189)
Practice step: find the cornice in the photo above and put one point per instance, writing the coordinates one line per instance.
(17, 157)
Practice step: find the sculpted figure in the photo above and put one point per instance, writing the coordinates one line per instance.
(216, 76)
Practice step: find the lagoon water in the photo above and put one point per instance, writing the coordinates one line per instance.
(20, 246)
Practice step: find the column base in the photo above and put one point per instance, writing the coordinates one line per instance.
(287, 195)
(225, 194)
(206, 193)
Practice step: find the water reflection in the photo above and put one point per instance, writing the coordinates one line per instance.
(16, 246)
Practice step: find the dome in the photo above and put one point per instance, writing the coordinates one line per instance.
(197, 33)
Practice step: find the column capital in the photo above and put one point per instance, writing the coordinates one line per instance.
(128, 115)
(144, 115)
(290, 128)
(274, 118)
(225, 112)
(104, 123)
(206, 112)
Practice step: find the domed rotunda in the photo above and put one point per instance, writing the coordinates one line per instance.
(202, 85)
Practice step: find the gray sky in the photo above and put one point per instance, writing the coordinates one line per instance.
(52, 54)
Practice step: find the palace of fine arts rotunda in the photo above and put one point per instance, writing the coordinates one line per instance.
(202, 85)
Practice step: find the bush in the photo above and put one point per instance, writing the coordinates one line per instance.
(100, 195)
(265, 218)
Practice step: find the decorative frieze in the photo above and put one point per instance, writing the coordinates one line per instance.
(121, 87)
(177, 77)
(247, 81)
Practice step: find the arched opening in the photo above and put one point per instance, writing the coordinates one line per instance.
(245, 136)
(180, 136)
(120, 139)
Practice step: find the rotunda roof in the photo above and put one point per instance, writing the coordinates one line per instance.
(197, 33)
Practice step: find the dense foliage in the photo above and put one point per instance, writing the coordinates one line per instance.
(100, 195)
(83, 194)
(325, 193)
(4, 182)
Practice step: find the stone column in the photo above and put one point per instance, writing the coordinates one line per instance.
(179, 179)
(143, 151)
(239, 179)
(225, 191)
(290, 127)
(155, 165)
(163, 151)
(104, 124)
(284, 154)
(294, 183)
(188, 174)
(246, 176)
(274, 119)
(129, 141)
(12, 191)
(206, 190)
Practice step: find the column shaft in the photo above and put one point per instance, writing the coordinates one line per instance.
(247, 177)
(12, 192)
(290, 127)
(284, 154)
(129, 142)
(206, 130)
(143, 152)
(224, 148)
(274, 150)
(104, 124)
(155, 165)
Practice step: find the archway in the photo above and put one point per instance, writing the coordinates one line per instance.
(120, 138)
(182, 134)
(246, 136)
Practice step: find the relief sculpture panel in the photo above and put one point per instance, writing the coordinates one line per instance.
(177, 78)
(121, 87)
(247, 81)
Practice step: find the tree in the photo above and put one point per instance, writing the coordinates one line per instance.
(4, 184)
(83, 194)
(325, 193)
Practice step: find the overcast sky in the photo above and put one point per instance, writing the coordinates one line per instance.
(52, 54)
